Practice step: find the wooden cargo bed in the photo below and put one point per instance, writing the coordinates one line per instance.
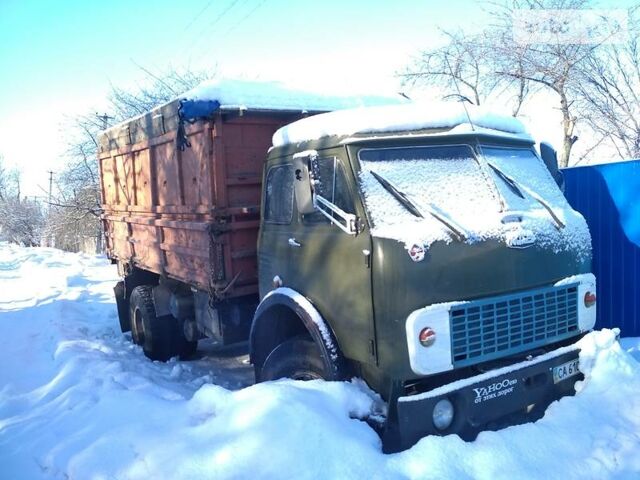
(192, 214)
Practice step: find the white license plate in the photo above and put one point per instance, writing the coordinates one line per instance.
(566, 370)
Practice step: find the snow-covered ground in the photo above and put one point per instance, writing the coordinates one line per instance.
(79, 401)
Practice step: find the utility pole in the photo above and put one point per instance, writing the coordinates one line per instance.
(105, 119)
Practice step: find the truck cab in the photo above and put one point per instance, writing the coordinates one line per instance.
(430, 252)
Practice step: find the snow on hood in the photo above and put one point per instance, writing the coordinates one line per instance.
(397, 118)
(78, 400)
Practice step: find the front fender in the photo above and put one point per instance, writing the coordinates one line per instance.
(305, 312)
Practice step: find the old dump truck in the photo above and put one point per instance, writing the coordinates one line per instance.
(425, 249)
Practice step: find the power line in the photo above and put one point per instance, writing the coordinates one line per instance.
(238, 23)
(209, 26)
(246, 17)
(194, 19)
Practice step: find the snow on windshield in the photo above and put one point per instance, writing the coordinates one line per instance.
(419, 172)
(528, 170)
(452, 181)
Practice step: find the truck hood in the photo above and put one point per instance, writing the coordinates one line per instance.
(404, 281)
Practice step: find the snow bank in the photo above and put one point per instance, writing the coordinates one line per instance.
(78, 401)
(396, 118)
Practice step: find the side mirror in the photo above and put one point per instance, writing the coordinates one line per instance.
(302, 185)
(550, 159)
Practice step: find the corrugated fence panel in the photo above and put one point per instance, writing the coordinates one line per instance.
(608, 196)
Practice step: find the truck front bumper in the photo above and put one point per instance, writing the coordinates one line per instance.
(489, 401)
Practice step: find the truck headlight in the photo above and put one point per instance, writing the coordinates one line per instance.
(443, 414)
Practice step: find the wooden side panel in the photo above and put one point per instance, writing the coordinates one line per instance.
(109, 194)
(166, 170)
(187, 254)
(192, 215)
(125, 179)
(144, 239)
(196, 170)
(121, 245)
(142, 179)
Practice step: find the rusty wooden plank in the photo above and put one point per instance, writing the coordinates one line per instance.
(166, 138)
(216, 182)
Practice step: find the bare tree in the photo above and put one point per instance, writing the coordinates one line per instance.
(554, 66)
(157, 89)
(494, 59)
(460, 67)
(21, 219)
(74, 216)
(9, 182)
(610, 93)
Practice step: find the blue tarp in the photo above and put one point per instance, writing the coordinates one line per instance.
(608, 196)
(195, 109)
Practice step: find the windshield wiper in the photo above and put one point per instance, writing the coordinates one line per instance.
(406, 202)
(398, 195)
(513, 186)
(518, 188)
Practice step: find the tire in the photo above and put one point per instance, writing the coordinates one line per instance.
(162, 337)
(297, 358)
(122, 305)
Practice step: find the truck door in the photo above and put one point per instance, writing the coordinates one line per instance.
(330, 266)
(276, 227)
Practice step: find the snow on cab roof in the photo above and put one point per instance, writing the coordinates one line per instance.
(401, 118)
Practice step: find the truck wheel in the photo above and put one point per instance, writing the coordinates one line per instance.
(123, 307)
(297, 358)
(160, 337)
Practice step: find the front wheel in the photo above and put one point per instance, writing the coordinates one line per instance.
(298, 358)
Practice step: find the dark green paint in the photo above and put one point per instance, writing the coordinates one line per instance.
(370, 303)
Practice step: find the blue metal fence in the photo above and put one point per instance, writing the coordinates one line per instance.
(608, 196)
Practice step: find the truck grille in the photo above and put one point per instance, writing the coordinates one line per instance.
(488, 329)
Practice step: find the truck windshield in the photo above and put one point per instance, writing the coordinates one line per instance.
(522, 168)
(444, 183)
(450, 181)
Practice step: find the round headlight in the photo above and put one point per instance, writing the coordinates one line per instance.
(427, 337)
(443, 414)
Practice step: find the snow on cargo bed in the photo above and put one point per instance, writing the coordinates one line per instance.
(79, 401)
(253, 95)
(413, 116)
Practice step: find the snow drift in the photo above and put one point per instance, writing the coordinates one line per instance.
(79, 401)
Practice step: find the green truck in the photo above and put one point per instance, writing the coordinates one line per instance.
(428, 250)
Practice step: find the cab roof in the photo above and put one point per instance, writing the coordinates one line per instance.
(402, 120)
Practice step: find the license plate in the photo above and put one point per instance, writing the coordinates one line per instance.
(566, 370)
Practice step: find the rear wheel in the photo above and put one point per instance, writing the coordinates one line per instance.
(123, 307)
(297, 358)
(160, 337)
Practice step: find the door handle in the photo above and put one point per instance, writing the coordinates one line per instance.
(293, 243)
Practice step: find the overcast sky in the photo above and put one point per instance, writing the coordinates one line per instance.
(59, 58)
